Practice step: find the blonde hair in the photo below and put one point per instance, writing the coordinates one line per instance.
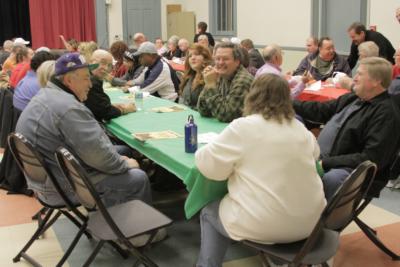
(378, 69)
(45, 71)
(368, 49)
(86, 49)
(269, 96)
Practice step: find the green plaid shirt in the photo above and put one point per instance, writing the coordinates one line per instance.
(225, 102)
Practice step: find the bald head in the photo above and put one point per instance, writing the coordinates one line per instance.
(273, 54)
(104, 59)
(139, 38)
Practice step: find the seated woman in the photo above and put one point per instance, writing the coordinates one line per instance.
(117, 50)
(134, 69)
(268, 158)
(173, 49)
(192, 81)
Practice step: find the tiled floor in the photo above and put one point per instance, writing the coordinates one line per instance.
(181, 248)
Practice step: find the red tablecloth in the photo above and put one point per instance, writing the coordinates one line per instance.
(325, 94)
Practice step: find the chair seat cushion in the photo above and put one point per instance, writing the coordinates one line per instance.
(324, 249)
(133, 218)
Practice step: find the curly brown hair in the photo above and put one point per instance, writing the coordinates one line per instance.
(191, 73)
(269, 96)
(117, 50)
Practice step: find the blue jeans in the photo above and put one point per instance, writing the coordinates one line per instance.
(333, 179)
(214, 239)
(120, 188)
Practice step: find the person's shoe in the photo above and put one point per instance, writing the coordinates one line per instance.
(393, 184)
(140, 241)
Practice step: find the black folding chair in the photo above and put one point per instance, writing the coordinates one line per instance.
(374, 192)
(323, 241)
(120, 223)
(35, 170)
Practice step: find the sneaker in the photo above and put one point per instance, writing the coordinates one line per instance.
(273, 263)
(140, 241)
(394, 184)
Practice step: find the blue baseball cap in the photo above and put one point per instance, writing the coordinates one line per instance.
(70, 62)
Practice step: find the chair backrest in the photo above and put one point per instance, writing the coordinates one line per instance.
(83, 187)
(34, 167)
(342, 207)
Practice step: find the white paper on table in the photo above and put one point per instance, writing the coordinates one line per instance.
(315, 86)
(206, 138)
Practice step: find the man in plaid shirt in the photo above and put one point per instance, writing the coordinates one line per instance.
(226, 85)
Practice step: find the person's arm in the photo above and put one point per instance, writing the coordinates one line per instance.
(211, 39)
(100, 104)
(217, 159)
(378, 146)
(353, 57)
(319, 112)
(225, 107)
(159, 78)
(85, 137)
(303, 66)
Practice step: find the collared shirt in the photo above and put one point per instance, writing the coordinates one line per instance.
(225, 102)
(27, 88)
(54, 118)
(295, 86)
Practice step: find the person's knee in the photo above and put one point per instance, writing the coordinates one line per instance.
(332, 180)
(138, 177)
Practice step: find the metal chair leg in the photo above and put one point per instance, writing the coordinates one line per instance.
(77, 223)
(71, 246)
(371, 234)
(37, 233)
(94, 253)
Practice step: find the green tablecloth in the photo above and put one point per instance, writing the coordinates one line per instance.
(169, 153)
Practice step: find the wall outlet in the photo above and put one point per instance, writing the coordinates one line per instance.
(117, 37)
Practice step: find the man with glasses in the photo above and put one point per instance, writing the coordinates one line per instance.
(98, 102)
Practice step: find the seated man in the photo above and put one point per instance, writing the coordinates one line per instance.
(158, 78)
(358, 126)
(312, 45)
(183, 45)
(255, 58)
(226, 85)
(56, 117)
(97, 101)
(29, 86)
(322, 64)
(273, 60)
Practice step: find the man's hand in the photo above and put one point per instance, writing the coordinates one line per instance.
(126, 107)
(131, 162)
(210, 77)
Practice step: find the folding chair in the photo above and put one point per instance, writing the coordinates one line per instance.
(119, 223)
(377, 187)
(323, 241)
(35, 169)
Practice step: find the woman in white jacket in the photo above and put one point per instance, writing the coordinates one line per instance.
(268, 157)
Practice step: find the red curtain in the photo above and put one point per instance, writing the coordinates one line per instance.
(52, 18)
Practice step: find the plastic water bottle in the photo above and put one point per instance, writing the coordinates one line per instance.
(139, 100)
(190, 135)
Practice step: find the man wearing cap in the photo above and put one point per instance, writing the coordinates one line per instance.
(20, 41)
(158, 78)
(134, 69)
(97, 101)
(56, 117)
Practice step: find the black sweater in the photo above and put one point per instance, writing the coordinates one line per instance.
(371, 133)
(99, 103)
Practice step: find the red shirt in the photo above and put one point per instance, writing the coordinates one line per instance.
(18, 73)
(396, 71)
(119, 70)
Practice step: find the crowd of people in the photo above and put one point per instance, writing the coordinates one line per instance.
(266, 153)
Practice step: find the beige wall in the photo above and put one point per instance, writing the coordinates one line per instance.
(115, 21)
(382, 14)
(284, 22)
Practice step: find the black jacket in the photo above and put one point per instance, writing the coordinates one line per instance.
(371, 133)
(386, 49)
(211, 41)
(99, 103)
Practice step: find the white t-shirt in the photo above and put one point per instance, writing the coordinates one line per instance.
(275, 193)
